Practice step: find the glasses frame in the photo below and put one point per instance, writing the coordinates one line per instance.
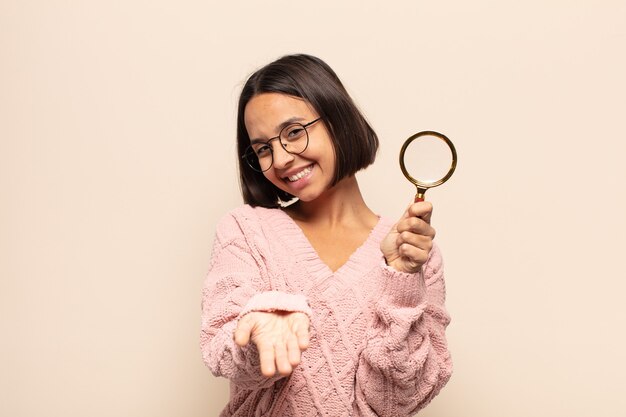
(250, 149)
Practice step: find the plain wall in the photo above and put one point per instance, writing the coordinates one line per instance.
(117, 157)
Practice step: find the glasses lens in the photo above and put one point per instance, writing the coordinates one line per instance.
(294, 138)
(255, 162)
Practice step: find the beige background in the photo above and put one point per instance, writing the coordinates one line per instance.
(117, 158)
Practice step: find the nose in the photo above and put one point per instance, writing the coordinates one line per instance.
(282, 158)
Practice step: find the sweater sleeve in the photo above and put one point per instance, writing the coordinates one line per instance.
(406, 360)
(237, 283)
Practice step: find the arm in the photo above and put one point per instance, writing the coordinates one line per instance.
(406, 361)
(237, 284)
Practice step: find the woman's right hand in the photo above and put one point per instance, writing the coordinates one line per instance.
(280, 338)
(409, 242)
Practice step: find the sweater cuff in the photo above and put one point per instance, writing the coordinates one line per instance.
(271, 301)
(402, 289)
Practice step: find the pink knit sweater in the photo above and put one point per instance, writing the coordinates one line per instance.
(377, 347)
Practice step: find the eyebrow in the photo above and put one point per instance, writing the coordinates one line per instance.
(279, 128)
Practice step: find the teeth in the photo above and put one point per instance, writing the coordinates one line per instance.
(300, 174)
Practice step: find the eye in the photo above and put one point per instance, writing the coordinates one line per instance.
(262, 150)
(294, 132)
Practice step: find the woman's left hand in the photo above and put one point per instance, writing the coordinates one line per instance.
(408, 244)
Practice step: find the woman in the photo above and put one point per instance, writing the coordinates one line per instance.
(319, 307)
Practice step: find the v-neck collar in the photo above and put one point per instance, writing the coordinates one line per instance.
(360, 262)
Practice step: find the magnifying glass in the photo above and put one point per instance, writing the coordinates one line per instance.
(431, 157)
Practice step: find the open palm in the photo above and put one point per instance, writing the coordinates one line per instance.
(280, 337)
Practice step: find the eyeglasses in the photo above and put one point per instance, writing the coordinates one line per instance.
(294, 139)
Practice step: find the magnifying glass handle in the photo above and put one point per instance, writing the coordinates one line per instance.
(420, 195)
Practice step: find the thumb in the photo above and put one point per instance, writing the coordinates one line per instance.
(407, 213)
(243, 331)
(301, 330)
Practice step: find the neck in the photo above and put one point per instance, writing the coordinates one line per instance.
(341, 204)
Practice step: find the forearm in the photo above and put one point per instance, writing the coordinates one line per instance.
(406, 361)
(224, 357)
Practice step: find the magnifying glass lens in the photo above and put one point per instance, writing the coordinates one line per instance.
(428, 158)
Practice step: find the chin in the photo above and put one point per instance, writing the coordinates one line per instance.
(309, 196)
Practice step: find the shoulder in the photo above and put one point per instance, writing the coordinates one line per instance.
(245, 220)
(248, 214)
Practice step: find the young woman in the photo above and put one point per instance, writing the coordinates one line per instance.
(320, 307)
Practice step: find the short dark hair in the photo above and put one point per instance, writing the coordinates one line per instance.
(311, 79)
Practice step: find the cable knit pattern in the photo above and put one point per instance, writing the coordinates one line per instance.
(377, 347)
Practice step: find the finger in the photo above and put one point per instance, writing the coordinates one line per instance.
(422, 209)
(267, 358)
(293, 350)
(413, 254)
(417, 226)
(300, 327)
(282, 359)
(302, 334)
(406, 214)
(243, 331)
(413, 239)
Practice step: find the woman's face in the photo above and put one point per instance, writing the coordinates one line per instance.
(306, 175)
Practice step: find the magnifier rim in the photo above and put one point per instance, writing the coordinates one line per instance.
(416, 182)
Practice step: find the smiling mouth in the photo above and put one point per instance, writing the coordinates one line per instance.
(300, 174)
